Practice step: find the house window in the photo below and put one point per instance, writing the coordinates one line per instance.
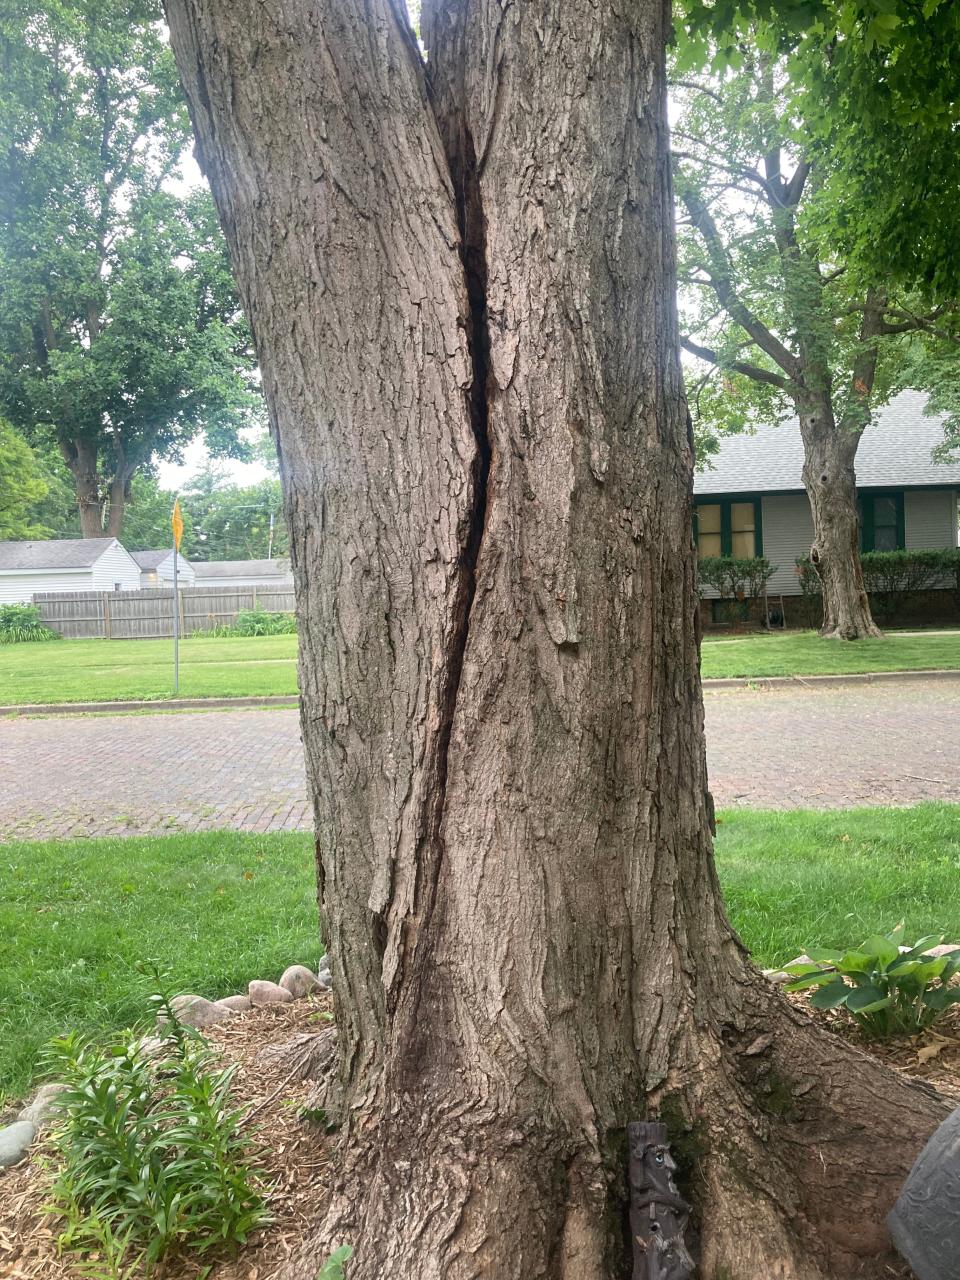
(881, 522)
(729, 527)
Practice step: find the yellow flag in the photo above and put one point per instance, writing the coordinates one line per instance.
(177, 521)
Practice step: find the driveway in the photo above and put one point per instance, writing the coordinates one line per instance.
(818, 747)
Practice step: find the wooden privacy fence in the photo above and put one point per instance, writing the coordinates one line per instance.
(131, 615)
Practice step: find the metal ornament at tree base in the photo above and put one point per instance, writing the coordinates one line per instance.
(925, 1221)
(658, 1214)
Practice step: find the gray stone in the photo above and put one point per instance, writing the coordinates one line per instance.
(195, 1011)
(15, 1142)
(778, 975)
(325, 980)
(264, 993)
(39, 1111)
(944, 949)
(238, 1004)
(299, 981)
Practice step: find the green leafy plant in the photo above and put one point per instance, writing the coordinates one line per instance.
(22, 622)
(735, 578)
(332, 1269)
(889, 991)
(258, 622)
(152, 1156)
(891, 577)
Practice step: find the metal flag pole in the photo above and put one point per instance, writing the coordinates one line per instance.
(176, 521)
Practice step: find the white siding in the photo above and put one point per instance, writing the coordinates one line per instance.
(115, 565)
(20, 588)
(930, 518)
(787, 534)
(164, 572)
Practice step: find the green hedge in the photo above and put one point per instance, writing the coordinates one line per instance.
(733, 578)
(893, 577)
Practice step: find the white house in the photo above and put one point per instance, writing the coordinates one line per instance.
(750, 500)
(243, 573)
(67, 564)
(156, 568)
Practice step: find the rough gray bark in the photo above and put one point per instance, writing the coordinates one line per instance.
(81, 458)
(462, 298)
(829, 476)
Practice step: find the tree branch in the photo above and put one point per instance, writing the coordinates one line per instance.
(723, 287)
(753, 371)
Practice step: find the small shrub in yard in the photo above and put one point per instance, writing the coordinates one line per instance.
(20, 623)
(152, 1157)
(258, 622)
(888, 992)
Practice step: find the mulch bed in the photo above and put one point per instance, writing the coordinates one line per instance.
(295, 1156)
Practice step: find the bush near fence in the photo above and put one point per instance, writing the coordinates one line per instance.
(148, 614)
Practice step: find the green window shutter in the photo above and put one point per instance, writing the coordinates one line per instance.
(758, 527)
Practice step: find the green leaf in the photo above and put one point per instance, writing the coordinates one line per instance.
(829, 997)
(867, 1000)
(883, 949)
(818, 979)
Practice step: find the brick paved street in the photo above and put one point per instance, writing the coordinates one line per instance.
(133, 774)
(151, 774)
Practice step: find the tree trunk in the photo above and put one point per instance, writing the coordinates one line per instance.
(80, 456)
(829, 454)
(462, 298)
(118, 498)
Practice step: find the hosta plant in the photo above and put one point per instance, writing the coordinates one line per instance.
(889, 989)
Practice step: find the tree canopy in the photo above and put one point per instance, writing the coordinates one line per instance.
(876, 84)
(121, 334)
(22, 487)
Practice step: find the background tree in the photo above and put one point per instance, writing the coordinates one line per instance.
(120, 332)
(877, 86)
(460, 278)
(235, 522)
(776, 310)
(22, 487)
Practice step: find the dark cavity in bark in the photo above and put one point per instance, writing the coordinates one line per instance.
(473, 241)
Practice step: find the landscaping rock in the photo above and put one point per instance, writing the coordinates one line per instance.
(264, 993)
(15, 1142)
(195, 1011)
(778, 975)
(299, 981)
(238, 1004)
(40, 1110)
(325, 980)
(944, 949)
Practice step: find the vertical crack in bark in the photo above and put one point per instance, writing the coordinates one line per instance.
(465, 178)
(473, 240)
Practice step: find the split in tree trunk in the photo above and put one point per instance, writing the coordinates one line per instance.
(463, 302)
(80, 456)
(830, 479)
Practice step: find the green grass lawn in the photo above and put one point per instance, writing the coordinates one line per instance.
(109, 670)
(105, 670)
(217, 909)
(213, 910)
(829, 878)
(805, 654)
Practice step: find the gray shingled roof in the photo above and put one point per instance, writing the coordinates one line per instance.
(241, 568)
(894, 453)
(153, 559)
(64, 553)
